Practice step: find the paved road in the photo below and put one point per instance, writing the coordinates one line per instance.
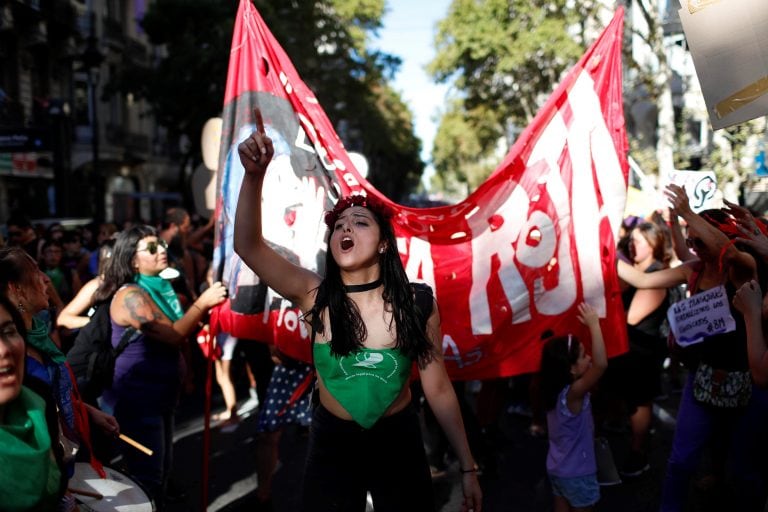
(519, 483)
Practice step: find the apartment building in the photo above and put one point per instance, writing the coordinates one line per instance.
(67, 149)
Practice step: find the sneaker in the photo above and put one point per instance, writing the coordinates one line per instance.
(636, 465)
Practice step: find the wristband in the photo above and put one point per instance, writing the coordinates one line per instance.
(474, 469)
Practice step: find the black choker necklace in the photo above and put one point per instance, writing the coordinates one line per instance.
(354, 288)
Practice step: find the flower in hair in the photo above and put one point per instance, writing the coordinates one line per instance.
(342, 204)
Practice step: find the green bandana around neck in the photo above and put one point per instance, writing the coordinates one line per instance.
(26, 458)
(365, 382)
(37, 337)
(162, 293)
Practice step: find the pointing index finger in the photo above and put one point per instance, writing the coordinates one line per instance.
(259, 121)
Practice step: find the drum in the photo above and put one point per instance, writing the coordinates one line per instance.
(119, 493)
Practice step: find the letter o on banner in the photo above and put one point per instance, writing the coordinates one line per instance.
(540, 254)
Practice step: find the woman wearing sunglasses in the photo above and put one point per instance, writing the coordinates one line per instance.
(703, 418)
(148, 373)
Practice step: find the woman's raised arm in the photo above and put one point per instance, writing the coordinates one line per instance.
(293, 282)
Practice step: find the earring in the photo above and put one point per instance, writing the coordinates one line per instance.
(381, 250)
(21, 308)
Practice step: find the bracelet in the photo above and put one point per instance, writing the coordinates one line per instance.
(198, 307)
(474, 469)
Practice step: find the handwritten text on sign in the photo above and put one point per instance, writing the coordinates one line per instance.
(705, 314)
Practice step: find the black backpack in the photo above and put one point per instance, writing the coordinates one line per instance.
(92, 357)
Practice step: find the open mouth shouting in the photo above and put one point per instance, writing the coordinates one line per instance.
(347, 243)
(7, 373)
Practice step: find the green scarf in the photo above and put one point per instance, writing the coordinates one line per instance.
(37, 337)
(29, 475)
(162, 293)
(56, 276)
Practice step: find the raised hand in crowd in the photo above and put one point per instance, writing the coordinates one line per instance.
(752, 236)
(257, 150)
(750, 302)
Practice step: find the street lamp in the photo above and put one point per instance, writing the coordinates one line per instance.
(91, 60)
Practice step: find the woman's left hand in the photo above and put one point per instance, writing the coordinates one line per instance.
(213, 295)
(106, 422)
(678, 198)
(473, 495)
(748, 299)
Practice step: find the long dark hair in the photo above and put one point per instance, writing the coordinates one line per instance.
(105, 255)
(346, 324)
(121, 269)
(557, 357)
(15, 265)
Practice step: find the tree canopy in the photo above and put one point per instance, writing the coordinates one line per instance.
(504, 57)
(327, 43)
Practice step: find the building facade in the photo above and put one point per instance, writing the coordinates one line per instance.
(68, 148)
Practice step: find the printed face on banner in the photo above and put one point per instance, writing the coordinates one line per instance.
(293, 201)
(507, 264)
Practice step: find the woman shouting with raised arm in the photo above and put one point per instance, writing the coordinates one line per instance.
(369, 325)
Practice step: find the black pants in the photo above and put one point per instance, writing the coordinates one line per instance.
(345, 460)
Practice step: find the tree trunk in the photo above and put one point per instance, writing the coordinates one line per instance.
(665, 127)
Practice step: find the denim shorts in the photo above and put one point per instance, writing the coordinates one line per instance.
(580, 491)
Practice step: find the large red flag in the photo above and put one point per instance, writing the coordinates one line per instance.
(509, 263)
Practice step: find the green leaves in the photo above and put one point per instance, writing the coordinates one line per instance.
(327, 43)
(504, 57)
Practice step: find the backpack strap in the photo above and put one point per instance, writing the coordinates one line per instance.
(129, 335)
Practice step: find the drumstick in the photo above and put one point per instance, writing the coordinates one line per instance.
(90, 494)
(136, 444)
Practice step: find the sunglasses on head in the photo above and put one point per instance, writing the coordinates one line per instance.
(152, 247)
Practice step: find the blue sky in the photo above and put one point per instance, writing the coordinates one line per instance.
(408, 32)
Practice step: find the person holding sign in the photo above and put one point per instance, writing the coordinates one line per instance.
(716, 355)
(366, 334)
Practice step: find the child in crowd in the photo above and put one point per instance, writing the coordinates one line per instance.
(568, 374)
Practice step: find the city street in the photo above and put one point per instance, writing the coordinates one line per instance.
(519, 484)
